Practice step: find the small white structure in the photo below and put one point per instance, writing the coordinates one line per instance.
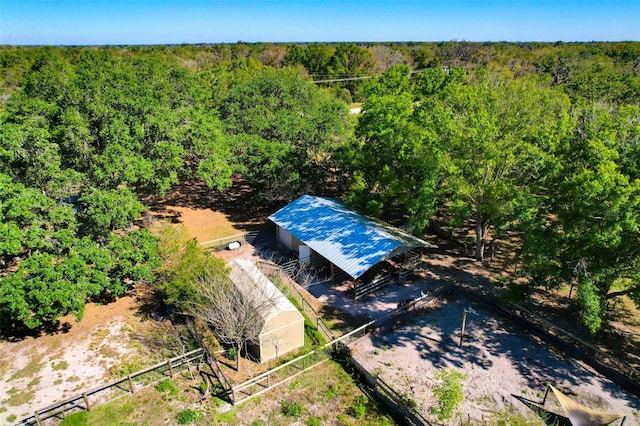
(283, 325)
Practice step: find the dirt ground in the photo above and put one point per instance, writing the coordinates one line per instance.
(504, 368)
(38, 371)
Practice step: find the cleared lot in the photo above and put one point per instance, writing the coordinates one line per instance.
(502, 364)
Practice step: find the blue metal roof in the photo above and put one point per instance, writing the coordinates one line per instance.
(347, 239)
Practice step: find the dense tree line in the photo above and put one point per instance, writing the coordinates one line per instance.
(511, 153)
(537, 138)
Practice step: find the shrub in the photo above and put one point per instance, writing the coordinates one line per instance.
(233, 354)
(292, 409)
(448, 392)
(312, 421)
(188, 416)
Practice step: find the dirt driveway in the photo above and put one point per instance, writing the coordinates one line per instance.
(502, 364)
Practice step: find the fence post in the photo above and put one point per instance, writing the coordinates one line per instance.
(38, 419)
(86, 401)
(130, 383)
(170, 369)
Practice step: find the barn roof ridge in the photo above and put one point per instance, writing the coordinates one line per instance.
(346, 238)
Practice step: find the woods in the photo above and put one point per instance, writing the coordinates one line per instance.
(541, 140)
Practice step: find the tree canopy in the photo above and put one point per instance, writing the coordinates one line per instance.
(536, 138)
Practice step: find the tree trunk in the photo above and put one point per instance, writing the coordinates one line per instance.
(238, 348)
(482, 229)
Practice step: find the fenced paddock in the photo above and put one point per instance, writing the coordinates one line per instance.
(289, 370)
(500, 360)
(115, 389)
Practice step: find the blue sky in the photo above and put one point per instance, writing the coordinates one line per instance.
(92, 22)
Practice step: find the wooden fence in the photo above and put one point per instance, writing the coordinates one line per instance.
(223, 243)
(212, 361)
(623, 375)
(371, 286)
(289, 370)
(272, 270)
(279, 375)
(116, 389)
(396, 402)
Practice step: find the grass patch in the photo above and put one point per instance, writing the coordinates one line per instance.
(117, 413)
(34, 382)
(507, 418)
(189, 416)
(292, 409)
(30, 370)
(19, 397)
(123, 370)
(80, 418)
(62, 365)
(167, 386)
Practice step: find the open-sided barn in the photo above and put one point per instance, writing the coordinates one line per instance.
(328, 233)
(282, 324)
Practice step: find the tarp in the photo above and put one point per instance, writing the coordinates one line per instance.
(579, 415)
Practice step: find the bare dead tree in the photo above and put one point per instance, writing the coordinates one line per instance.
(233, 306)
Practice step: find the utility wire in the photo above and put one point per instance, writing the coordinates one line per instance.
(335, 80)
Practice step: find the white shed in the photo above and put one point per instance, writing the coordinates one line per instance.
(283, 325)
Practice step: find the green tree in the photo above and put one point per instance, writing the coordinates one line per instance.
(496, 133)
(587, 231)
(106, 210)
(284, 130)
(394, 160)
(183, 262)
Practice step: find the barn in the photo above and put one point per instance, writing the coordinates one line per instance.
(282, 325)
(327, 234)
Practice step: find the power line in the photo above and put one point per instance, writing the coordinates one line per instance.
(335, 80)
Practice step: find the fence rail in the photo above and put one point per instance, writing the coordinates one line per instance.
(371, 286)
(115, 389)
(273, 270)
(221, 243)
(279, 375)
(396, 402)
(211, 360)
